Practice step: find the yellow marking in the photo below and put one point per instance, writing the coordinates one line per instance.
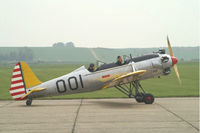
(131, 74)
(29, 77)
(124, 76)
(33, 90)
(110, 78)
(105, 86)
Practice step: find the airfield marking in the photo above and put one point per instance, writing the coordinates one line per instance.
(77, 113)
(176, 115)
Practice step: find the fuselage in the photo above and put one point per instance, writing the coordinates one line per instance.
(81, 80)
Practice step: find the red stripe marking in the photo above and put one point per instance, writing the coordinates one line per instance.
(18, 99)
(18, 81)
(16, 70)
(17, 87)
(15, 76)
(17, 64)
(17, 93)
(105, 76)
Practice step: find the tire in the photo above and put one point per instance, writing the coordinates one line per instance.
(148, 98)
(139, 97)
(28, 102)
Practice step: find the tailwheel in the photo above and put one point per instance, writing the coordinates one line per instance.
(28, 102)
(148, 98)
(139, 97)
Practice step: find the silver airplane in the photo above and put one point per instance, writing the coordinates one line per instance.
(125, 78)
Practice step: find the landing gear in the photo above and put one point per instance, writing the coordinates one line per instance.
(28, 102)
(148, 98)
(140, 97)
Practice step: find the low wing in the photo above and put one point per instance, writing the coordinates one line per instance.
(129, 77)
(33, 90)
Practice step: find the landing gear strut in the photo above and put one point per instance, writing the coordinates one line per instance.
(28, 102)
(142, 96)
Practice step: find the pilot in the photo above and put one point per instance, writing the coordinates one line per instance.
(91, 67)
(119, 60)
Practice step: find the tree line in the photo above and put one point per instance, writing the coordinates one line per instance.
(24, 54)
(61, 44)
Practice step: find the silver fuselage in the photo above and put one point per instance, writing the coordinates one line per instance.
(81, 80)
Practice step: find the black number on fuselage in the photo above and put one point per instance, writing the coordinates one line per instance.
(81, 81)
(71, 81)
(76, 83)
(59, 88)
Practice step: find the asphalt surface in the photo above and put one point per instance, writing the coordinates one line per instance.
(174, 115)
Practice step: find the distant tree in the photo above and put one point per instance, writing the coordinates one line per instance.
(25, 54)
(69, 44)
(59, 44)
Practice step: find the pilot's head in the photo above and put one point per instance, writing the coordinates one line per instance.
(92, 65)
(119, 59)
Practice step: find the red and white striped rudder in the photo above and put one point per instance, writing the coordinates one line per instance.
(17, 89)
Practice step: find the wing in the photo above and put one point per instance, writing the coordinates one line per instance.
(33, 90)
(129, 77)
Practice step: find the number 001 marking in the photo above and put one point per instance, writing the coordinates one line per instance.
(58, 88)
(76, 83)
(70, 79)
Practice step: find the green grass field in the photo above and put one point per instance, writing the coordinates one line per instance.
(167, 86)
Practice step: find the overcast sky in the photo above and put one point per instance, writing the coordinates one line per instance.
(102, 23)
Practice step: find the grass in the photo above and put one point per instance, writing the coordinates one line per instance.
(166, 86)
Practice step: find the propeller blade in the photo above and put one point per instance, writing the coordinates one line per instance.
(175, 67)
(177, 74)
(169, 47)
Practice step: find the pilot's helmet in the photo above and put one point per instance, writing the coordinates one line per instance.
(91, 65)
(118, 57)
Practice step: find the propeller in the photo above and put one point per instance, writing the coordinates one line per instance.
(174, 60)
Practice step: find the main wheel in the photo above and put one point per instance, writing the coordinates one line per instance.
(148, 98)
(139, 97)
(28, 102)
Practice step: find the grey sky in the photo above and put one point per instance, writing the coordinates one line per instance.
(102, 23)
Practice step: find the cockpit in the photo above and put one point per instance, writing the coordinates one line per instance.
(127, 60)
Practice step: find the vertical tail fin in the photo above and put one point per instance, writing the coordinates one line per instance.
(22, 78)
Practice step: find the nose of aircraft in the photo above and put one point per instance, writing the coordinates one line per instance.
(174, 60)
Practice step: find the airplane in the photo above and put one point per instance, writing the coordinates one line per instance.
(125, 78)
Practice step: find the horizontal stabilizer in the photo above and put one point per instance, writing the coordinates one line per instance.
(33, 90)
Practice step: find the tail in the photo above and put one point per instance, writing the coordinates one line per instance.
(22, 79)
